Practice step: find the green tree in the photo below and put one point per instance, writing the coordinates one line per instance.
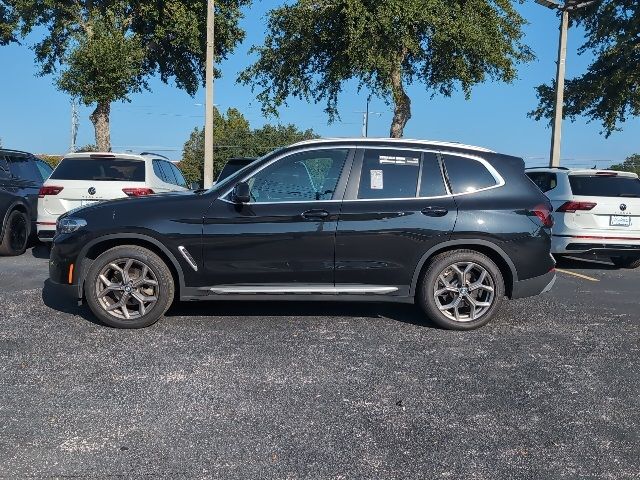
(609, 91)
(104, 50)
(631, 164)
(233, 137)
(314, 46)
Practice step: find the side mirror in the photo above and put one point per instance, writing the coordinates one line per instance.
(241, 193)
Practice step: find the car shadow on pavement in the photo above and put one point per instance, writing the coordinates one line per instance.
(41, 251)
(404, 313)
(59, 298)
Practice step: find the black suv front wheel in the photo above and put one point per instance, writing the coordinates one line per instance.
(129, 287)
(461, 290)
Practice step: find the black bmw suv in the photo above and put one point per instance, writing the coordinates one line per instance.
(21, 176)
(450, 227)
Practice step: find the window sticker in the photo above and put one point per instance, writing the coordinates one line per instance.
(388, 160)
(377, 180)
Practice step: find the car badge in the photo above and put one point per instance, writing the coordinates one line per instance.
(92, 191)
(623, 207)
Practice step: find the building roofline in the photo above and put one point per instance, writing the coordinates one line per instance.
(435, 143)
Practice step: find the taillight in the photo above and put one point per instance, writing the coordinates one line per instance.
(138, 192)
(44, 191)
(543, 212)
(572, 207)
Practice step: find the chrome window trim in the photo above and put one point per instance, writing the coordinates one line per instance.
(500, 182)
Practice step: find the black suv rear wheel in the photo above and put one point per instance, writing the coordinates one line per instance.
(16, 234)
(129, 287)
(461, 290)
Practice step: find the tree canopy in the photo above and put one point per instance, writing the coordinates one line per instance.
(631, 164)
(234, 137)
(104, 50)
(609, 91)
(314, 46)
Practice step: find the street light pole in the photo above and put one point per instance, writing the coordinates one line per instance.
(558, 108)
(208, 104)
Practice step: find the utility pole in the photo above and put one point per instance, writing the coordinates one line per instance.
(558, 106)
(365, 118)
(208, 104)
(75, 124)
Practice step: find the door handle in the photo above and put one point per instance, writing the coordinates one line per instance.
(316, 214)
(435, 211)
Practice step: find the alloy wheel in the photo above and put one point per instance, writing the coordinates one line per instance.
(127, 288)
(464, 291)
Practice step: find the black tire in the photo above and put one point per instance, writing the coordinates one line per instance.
(140, 315)
(15, 239)
(626, 262)
(430, 283)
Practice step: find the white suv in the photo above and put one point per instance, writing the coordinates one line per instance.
(595, 211)
(84, 178)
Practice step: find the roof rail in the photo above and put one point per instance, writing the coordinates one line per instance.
(155, 155)
(550, 168)
(393, 140)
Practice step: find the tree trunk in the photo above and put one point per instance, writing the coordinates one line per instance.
(402, 111)
(100, 120)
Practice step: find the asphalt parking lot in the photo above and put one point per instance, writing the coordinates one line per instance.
(550, 389)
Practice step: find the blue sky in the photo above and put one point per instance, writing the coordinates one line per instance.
(36, 117)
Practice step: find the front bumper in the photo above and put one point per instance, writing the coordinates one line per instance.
(534, 286)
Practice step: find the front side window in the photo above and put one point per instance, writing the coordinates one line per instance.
(305, 176)
(467, 175)
(389, 174)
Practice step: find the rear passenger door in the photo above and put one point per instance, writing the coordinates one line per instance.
(396, 208)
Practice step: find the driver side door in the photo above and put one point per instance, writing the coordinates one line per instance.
(284, 237)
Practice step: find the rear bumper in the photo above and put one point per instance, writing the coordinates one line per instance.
(599, 245)
(534, 286)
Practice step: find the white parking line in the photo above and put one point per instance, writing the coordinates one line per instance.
(579, 275)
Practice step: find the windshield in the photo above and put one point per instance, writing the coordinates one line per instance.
(108, 170)
(605, 186)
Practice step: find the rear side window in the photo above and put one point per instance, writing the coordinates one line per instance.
(604, 186)
(108, 170)
(25, 169)
(467, 175)
(544, 180)
(389, 174)
(4, 167)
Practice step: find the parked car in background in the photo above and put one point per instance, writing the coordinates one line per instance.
(82, 179)
(233, 165)
(21, 176)
(595, 211)
(453, 228)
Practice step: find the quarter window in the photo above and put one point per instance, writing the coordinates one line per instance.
(44, 169)
(544, 181)
(389, 174)
(467, 175)
(305, 176)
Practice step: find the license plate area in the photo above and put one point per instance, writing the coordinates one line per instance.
(620, 221)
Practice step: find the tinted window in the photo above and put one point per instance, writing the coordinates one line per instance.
(4, 167)
(44, 169)
(232, 166)
(467, 175)
(158, 171)
(544, 180)
(178, 174)
(389, 174)
(431, 181)
(115, 170)
(604, 186)
(24, 168)
(168, 172)
(304, 176)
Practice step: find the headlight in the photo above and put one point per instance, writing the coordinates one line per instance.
(70, 224)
